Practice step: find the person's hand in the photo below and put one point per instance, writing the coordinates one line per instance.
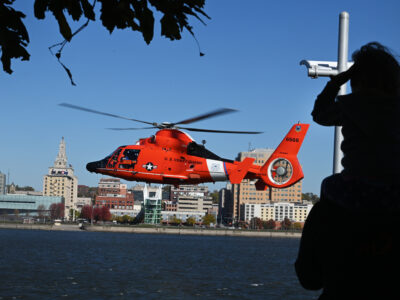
(343, 77)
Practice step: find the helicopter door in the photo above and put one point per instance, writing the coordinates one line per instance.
(129, 159)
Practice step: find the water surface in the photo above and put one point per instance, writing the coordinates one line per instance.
(95, 265)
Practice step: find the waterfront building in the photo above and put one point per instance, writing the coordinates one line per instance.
(61, 181)
(3, 185)
(246, 193)
(191, 198)
(81, 202)
(114, 195)
(167, 216)
(22, 203)
(137, 207)
(296, 212)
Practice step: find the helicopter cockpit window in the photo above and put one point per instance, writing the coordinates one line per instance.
(130, 154)
(129, 158)
(114, 159)
(200, 151)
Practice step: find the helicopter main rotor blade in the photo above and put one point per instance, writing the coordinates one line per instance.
(210, 114)
(132, 128)
(220, 131)
(102, 113)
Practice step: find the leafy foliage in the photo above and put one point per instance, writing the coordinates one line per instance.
(270, 224)
(105, 214)
(56, 211)
(13, 35)
(310, 197)
(98, 213)
(297, 226)
(125, 219)
(190, 221)
(208, 219)
(41, 210)
(256, 223)
(136, 15)
(215, 197)
(86, 212)
(175, 221)
(24, 188)
(286, 224)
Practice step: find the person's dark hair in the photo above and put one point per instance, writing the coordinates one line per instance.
(376, 68)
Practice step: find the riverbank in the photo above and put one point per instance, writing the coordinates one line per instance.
(154, 230)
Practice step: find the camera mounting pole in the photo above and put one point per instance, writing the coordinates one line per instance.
(328, 68)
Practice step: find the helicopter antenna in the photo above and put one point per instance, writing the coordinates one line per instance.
(250, 147)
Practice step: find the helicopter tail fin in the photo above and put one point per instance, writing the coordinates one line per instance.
(283, 169)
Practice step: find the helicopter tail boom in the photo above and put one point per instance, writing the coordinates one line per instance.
(241, 170)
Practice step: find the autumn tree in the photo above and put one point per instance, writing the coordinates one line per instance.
(190, 221)
(136, 15)
(175, 221)
(41, 210)
(124, 219)
(56, 211)
(256, 223)
(105, 214)
(270, 224)
(87, 212)
(286, 224)
(208, 219)
(297, 226)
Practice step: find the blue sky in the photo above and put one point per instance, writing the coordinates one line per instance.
(251, 63)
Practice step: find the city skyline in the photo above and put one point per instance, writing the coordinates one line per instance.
(251, 63)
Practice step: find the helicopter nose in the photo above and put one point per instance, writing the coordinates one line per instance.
(95, 165)
(92, 166)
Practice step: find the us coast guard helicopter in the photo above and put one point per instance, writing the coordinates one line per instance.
(171, 156)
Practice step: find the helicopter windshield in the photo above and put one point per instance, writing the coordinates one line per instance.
(131, 154)
(201, 151)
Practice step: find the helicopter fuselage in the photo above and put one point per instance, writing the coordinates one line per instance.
(169, 157)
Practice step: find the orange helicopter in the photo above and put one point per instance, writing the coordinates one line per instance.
(171, 156)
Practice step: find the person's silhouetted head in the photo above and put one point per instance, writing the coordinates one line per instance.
(375, 68)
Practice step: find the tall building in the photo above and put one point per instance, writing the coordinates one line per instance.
(61, 181)
(2, 183)
(225, 208)
(246, 192)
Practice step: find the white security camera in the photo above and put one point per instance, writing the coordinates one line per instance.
(322, 68)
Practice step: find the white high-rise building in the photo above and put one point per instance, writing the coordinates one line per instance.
(61, 181)
(295, 212)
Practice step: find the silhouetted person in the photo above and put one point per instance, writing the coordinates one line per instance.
(350, 242)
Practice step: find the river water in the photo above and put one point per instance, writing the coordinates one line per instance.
(95, 265)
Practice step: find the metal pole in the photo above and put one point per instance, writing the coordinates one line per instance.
(343, 49)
